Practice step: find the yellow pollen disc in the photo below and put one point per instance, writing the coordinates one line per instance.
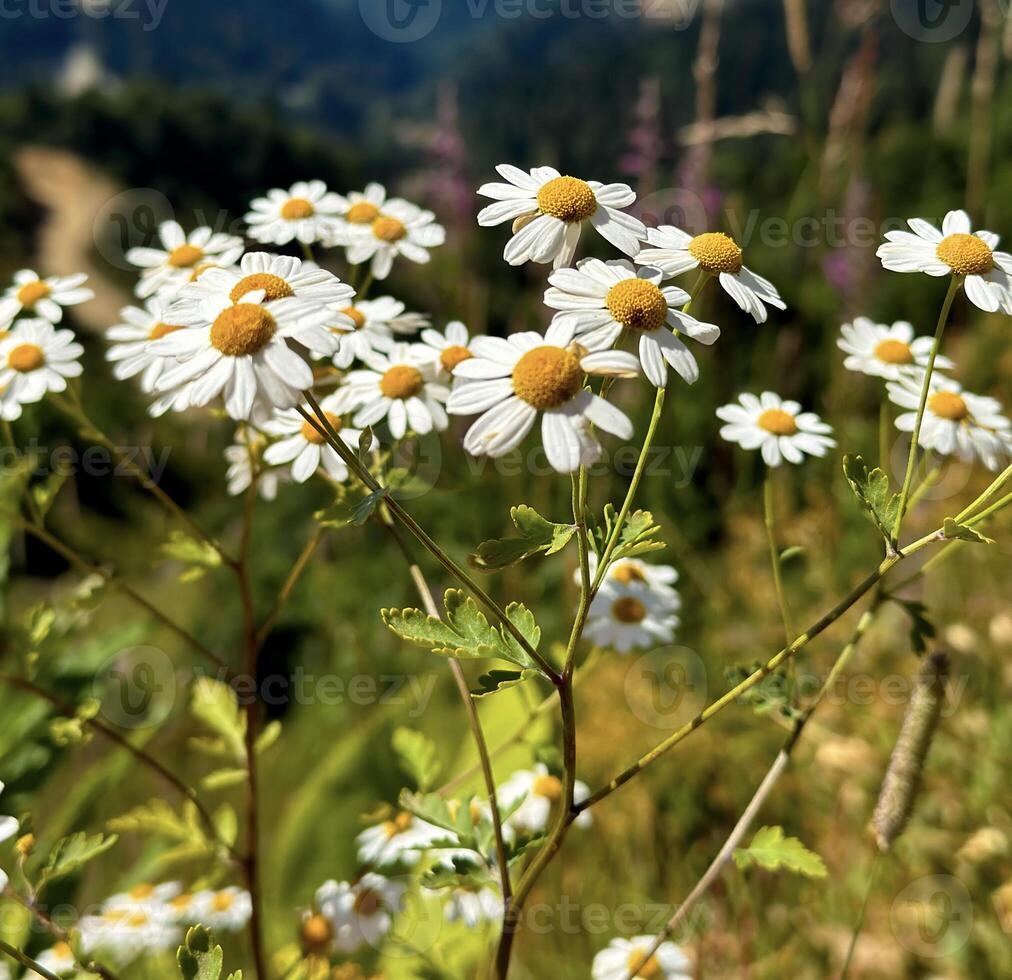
(274, 286)
(399, 824)
(638, 305)
(142, 891)
(629, 609)
(242, 330)
(645, 969)
(388, 229)
(547, 377)
(966, 255)
(401, 381)
(24, 844)
(222, 901)
(31, 292)
(201, 269)
(181, 902)
(716, 252)
(568, 198)
(25, 358)
(137, 920)
(296, 209)
(474, 811)
(185, 256)
(452, 356)
(160, 330)
(627, 574)
(367, 903)
(894, 352)
(363, 213)
(777, 421)
(356, 316)
(948, 405)
(454, 807)
(550, 787)
(310, 434)
(316, 933)
(62, 950)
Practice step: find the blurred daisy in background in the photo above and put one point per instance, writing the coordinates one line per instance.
(509, 382)
(361, 913)
(227, 910)
(628, 613)
(130, 350)
(400, 229)
(625, 957)
(450, 347)
(540, 792)
(400, 386)
(128, 933)
(779, 428)
(402, 838)
(676, 252)
(36, 358)
(955, 250)
(302, 447)
(888, 352)
(602, 299)
(549, 210)
(8, 828)
(660, 578)
(246, 451)
(45, 298)
(58, 959)
(956, 422)
(143, 896)
(182, 258)
(307, 212)
(474, 906)
(371, 325)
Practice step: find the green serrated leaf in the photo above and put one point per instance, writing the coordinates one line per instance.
(367, 507)
(537, 535)
(960, 532)
(418, 757)
(501, 680)
(638, 536)
(214, 703)
(874, 492)
(200, 556)
(223, 778)
(771, 850)
(435, 810)
(72, 853)
(158, 819)
(200, 957)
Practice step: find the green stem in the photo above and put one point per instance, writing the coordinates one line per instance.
(990, 492)
(769, 513)
(26, 961)
(872, 875)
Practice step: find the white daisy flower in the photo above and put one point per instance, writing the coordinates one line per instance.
(779, 428)
(510, 381)
(370, 325)
(624, 955)
(549, 211)
(540, 792)
(36, 359)
(130, 349)
(395, 227)
(400, 386)
(241, 460)
(402, 838)
(628, 613)
(360, 913)
(956, 422)
(473, 906)
(955, 250)
(58, 959)
(357, 211)
(450, 347)
(307, 212)
(127, 933)
(8, 828)
(601, 299)
(182, 258)
(143, 896)
(240, 350)
(302, 446)
(43, 297)
(886, 352)
(227, 910)
(675, 252)
(625, 571)
(183, 908)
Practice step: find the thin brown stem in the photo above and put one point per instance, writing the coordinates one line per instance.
(289, 586)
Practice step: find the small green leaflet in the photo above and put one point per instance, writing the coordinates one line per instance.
(201, 958)
(199, 556)
(418, 757)
(537, 535)
(771, 850)
(637, 537)
(874, 492)
(466, 634)
(921, 628)
(214, 703)
(350, 509)
(72, 853)
(500, 680)
(952, 531)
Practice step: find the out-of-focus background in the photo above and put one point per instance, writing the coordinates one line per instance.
(805, 130)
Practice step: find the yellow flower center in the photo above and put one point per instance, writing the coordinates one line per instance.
(638, 305)
(363, 213)
(399, 824)
(23, 845)
(222, 901)
(62, 950)
(948, 405)
(779, 422)
(452, 356)
(140, 892)
(201, 269)
(31, 292)
(367, 903)
(273, 286)
(627, 574)
(296, 209)
(310, 433)
(966, 255)
(547, 377)
(894, 352)
(242, 330)
(25, 358)
(181, 902)
(645, 969)
(401, 381)
(629, 609)
(567, 198)
(160, 330)
(716, 252)
(550, 787)
(316, 934)
(388, 229)
(136, 919)
(357, 317)
(185, 256)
